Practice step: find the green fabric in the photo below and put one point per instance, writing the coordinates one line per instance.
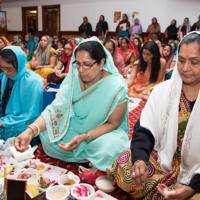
(74, 112)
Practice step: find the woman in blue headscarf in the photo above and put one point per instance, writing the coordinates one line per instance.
(21, 93)
(88, 119)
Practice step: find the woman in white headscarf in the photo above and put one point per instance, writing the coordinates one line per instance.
(164, 161)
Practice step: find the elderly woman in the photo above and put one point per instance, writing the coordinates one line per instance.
(21, 93)
(171, 127)
(44, 58)
(88, 119)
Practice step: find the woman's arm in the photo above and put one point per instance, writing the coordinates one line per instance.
(23, 140)
(162, 71)
(59, 65)
(112, 123)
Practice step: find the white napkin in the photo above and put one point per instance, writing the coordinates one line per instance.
(20, 156)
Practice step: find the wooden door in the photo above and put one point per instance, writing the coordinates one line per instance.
(30, 19)
(51, 19)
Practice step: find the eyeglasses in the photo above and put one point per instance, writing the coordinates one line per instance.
(7, 69)
(85, 66)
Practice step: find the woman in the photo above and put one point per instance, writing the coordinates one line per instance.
(62, 67)
(149, 71)
(21, 93)
(136, 28)
(30, 45)
(85, 29)
(127, 51)
(171, 128)
(167, 54)
(136, 43)
(122, 28)
(16, 40)
(111, 46)
(184, 28)
(153, 29)
(171, 31)
(102, 27)
(90, 110)
(3, 42)
(44, 58)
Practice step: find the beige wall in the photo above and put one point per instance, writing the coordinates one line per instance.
(72, 11)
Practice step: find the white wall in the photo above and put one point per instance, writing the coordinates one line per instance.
(72, 11)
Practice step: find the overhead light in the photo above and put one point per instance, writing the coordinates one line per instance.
(33, 11)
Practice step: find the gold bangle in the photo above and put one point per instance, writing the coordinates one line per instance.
(31, 130)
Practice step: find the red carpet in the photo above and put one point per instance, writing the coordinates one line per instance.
(118, 193)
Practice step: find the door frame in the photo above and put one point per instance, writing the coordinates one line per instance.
(43, 11)
(23, 17)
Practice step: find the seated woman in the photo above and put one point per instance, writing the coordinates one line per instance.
(149, 71)
(62, 67)
(44, 58)
(128, 53)
(169, 124)
(111, 46)
(88, 119)
(3, 42)
(168, 55)
(21, 93)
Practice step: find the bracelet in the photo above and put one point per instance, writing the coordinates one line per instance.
(31, 129)
(37, 127)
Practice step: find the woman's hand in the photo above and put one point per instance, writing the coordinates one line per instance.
(74, 143)
(144, 92)
(58, 72)
(23, 140)
(182, 192)
(140, 171)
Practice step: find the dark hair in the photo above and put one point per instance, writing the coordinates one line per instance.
(110, 41)
(9, 56)
(68, 42)
(139, 43)
(170, 46)
(126, 39)
(190, 38)
(155, 68)
(103, 17)
(125, 16)
(95, 50)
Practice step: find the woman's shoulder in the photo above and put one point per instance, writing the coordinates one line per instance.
(162, 87)
(33, 78)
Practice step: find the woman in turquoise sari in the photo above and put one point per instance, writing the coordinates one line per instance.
(88, 119)
(21, 93)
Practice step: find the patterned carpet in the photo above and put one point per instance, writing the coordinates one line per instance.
(118, 193)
